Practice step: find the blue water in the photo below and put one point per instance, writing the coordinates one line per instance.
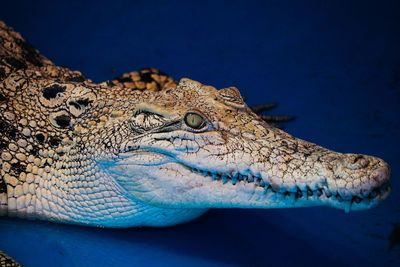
(335, 65)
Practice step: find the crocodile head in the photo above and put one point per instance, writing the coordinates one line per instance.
(144, 150)
(197, 147)
(98, 155)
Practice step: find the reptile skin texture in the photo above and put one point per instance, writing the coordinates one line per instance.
(146, 150)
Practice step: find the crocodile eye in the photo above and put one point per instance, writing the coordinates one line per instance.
(194, 121)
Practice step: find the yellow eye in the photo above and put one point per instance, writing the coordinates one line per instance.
(194, 121)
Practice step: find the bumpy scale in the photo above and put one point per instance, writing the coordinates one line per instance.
(144, 150)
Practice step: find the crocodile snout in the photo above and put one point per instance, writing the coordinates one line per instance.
(378, 170)
(381, 175)
(361, 176)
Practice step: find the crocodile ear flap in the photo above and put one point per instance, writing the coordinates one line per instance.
(231, 97)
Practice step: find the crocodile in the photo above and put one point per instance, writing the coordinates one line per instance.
(146, 150)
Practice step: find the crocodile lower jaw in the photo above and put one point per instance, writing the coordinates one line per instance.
(321, 196)
(275, 195)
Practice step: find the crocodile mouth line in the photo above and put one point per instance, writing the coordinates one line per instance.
(374, 195)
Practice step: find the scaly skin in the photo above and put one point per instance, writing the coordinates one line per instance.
(122, 153)
(6, 261)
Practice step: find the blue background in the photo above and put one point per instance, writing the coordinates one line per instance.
(335, 65)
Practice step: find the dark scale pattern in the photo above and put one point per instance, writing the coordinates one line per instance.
(3, 143)
(2, 73)
(84, 102)
(80, 104)
(17, 168)
(34, 151)
(78, 78)
(124, 79)
(8, 129)
(3, 186)
(75, 104)
(54, 141)
(6, 261)
(17, 53)
(30, 54)
(52, 91)
(145, 79)
(40, 137)
(3, 146)
(63, 121)
(2, 97)
(15, 63)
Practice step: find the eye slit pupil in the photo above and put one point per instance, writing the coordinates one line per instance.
(194, 121)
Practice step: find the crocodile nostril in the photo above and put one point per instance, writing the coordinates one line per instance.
(355, 162)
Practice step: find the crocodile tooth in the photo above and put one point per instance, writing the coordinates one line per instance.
(319, 192)
(347, 206)
(339, 197)
(328, 193)
(299, 193)
(234, 180)
(309, 192)
(292, 197)
(250, 178)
